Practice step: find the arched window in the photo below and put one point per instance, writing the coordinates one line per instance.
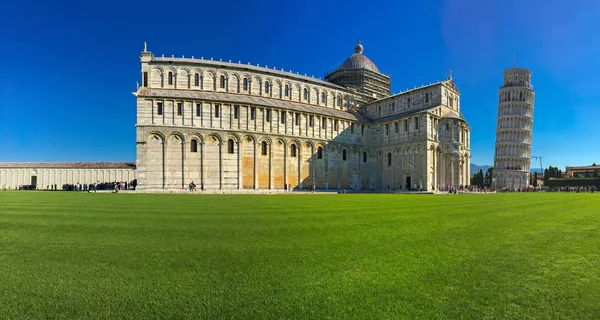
(339, 101)
(222, 82)
(170, 81)
(305, 94)
(389, 158)
(197, 80)
(293, 151)
(230, 146)
(320, 153)
(193, 145)
(344, 155)
(267, 85)
(263, 150)
(245, 84)
(365, 156)
(287, 90)
(162, 80)
(323, 97)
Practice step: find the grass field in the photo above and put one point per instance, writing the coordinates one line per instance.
(512, 256)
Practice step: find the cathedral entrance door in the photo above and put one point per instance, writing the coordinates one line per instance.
(33, 180)
(408, 182)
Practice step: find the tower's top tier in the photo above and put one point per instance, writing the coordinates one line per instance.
(517, 77)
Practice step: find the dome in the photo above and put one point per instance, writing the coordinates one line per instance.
(359, 61)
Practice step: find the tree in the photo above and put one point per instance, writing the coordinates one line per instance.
(531, 179)
(487, 181)
(480, 177)
(535, 181)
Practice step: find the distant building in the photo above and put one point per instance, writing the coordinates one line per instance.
(514, 130)
(583, 171)
(45, 174)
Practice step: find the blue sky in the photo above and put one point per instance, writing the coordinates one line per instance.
(69, 67)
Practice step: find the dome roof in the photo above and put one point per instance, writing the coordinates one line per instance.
(359, 61)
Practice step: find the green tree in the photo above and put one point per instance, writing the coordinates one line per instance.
(535, 181)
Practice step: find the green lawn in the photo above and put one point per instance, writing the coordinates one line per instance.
(511, 256)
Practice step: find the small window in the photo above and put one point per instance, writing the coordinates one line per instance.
(387, 129)
(245, 84)
(379, 110)
(389, 159)
(447, 126)
(216, 111)
(451, 103)
(393, 106)
(198, 109)
(268, 115)
(339, 101)
(145, 80)
(344, 155)
(323, 123)
(197, 80)
(287, 90)
(159, 108)
(417, 123)
(230, 146)
(352, 128)
(267, 87)
(408, 102)
(236, 112)
(170, 79)
(179, 107)
(365, 156)
(427, 97)
(320, 153)
(323, 97)
(193, 145)
(222, 82)
(297, 119)
(252, 113)
(311, 120)
(282, 116)
(305, 94)
(263, 149)
(335, 125)
(405, 126)
(293, 151)
(396, 129)
(362, 129)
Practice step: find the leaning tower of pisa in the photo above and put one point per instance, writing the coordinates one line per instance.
(513, 130)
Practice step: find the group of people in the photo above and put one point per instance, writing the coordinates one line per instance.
(115, 186)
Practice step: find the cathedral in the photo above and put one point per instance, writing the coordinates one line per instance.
(231, 126)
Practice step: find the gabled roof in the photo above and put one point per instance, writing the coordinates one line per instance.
(450, 83)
